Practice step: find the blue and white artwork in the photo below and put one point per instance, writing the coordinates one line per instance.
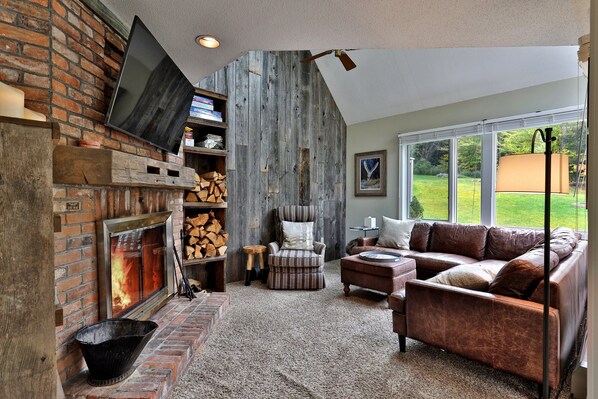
(370, 174)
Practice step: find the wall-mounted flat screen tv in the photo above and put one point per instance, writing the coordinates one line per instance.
(152, 97)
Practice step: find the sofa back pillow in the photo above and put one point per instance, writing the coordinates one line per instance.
(420, 235)
(563, 241)
(395, 233)
(459, 239)
(507, 243)
(520, 276)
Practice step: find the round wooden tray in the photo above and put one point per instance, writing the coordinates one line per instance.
(380, 256)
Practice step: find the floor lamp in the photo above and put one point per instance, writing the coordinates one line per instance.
(538, 173)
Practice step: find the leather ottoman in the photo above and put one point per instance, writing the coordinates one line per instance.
(386, 277)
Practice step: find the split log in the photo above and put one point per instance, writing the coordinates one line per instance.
(193, 232)
(221, 250)
(211, 175)
(191, 197)
(189, 251)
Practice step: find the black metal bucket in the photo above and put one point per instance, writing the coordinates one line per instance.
(110, 348)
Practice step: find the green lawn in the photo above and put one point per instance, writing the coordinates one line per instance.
(511, 209)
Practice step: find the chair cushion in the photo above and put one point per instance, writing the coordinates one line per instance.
(293, 258)
(298, 235)
(395, 233)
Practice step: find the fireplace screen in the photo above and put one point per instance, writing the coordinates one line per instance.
(135, 265)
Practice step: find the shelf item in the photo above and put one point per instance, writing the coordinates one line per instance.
(210, 187)
(102, 167)
(204, 236)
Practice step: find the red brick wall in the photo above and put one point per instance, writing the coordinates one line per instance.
(66, 60)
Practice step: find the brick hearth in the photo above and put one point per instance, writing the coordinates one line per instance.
(184, 327)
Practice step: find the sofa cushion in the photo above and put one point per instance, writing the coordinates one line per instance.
(459, 239)
(395, 233)
(474, 276)
(439, 262)
(420, 235)
(508, 243)
(520, 276)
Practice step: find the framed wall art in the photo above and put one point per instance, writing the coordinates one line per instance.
(370, 174)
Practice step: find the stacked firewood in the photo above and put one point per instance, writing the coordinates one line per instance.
(204, 237)
(209, 187)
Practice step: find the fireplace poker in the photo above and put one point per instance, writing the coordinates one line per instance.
(185, 287)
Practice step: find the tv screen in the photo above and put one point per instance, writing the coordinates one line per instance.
(152, 97)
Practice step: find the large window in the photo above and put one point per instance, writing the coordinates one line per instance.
(527, 209)
(469, 179)
(430, 195)
(449, 174)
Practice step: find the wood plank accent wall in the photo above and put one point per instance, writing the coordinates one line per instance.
(286, 146)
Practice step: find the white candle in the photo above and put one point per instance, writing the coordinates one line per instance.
(36, 116)
(12, 101)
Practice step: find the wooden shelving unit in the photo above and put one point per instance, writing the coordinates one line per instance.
(209, 270)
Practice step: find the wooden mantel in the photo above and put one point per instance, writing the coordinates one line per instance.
(102, 167)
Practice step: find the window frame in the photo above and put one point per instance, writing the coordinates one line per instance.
(489, 130)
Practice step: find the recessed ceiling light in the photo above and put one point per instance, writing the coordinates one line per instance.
(207, 41)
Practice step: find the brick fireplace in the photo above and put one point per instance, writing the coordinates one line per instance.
(66, 59)
(135, 265)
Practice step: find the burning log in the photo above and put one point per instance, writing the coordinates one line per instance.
(209, 187)
(204, 237)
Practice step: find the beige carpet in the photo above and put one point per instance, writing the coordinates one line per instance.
(319, 344)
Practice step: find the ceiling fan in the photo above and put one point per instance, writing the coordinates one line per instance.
(340, 54)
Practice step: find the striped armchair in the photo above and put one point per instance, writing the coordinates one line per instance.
(295, 269)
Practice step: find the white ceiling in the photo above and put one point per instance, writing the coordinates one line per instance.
(424, 73)
(391, 82)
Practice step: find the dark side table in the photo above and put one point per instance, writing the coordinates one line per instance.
(364, 229)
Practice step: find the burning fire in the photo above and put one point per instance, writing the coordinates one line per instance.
(120, 295)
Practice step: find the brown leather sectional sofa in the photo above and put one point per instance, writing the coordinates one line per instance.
(502, 326)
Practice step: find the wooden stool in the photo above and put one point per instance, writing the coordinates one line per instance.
(250, 250)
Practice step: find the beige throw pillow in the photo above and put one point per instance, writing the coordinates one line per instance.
(395, 233)
(298, 235)
(471, 276)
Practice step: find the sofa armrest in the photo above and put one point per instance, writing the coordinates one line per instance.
(367, 241)
(319, 248)
(273, 247)
(503, 332)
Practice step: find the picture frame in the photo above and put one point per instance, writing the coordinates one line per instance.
(370, 174)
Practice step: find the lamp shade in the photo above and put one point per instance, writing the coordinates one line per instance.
(525, 173)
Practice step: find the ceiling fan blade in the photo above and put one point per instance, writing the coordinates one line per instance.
(347, 61)
(313, 57)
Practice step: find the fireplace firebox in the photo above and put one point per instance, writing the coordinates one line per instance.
(135, 265)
